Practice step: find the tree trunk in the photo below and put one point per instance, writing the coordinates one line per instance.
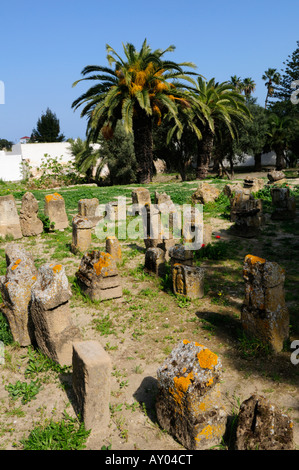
(204, 149)
(258, 162)
(143, 146)
(280, 160)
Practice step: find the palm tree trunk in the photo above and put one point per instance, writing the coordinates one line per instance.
(204, 153)
(280, 160)
(143, 146)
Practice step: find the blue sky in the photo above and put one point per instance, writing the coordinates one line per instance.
(44, 45)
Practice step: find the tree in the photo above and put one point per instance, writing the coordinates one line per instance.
(279, 135)
(214, 103)
(289, 75)
(86, 158)
(139, 90)
(248, 86)
(236, 82)
(254, 135)
(47, 129)
(272, 78)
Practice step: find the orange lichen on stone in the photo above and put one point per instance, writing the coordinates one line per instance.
(57, 268)
(16, 264)
(206, 432)
(34, 278)
(104, 262)
(210, 382)
(185, 341)
(53, 197)
(255, 259)
(207, 359)
(181, 385)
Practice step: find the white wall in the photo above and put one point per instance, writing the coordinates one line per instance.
(10, 167)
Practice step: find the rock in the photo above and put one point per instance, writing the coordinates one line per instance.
(262, 426)
(31, 225)
(55, 211)
(98, 276)
(51, 315)
(205, 193)
(9, 218)
(188, 281)
(247, 213)
(264, 314)
(81, 234)
(230, 189)
(15, 288)
(91, 385)
(188, 400)
(254, 184)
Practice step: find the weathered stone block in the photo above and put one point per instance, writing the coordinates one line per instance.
(264, 313)
(81, 234)
(90, 208)
(51, 315)
(188, 400)
(98, 276)
(9, 218)
(188, 281)
(141, 196)
(31, 225)
(262, 426)
(181, 254)
(15, 288)
(91, 385)
(55, 211)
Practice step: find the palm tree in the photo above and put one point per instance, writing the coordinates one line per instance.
(236, 82)
(138, 90)
(280, 128)
(248, 86)
(214, 103)
(271, 77)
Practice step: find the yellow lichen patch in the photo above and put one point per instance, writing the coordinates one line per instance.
(57, 268)
(185, 341)
(210, 382)
(104, 262)
(181, 385)
(16, 264)
(207, 359)
(53, 197)
(33, 278)
(254, 259)
(197, 344)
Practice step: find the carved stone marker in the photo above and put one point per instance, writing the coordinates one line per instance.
(261, 425)
(113, 248)
(188, 281)
(284, 204)
(90, 208)
(188, 400)
(81, 234)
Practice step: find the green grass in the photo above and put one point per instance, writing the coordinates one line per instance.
(23, 390)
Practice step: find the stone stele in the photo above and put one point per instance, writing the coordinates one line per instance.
(15, 288)
(188, 400)
(9, 218)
